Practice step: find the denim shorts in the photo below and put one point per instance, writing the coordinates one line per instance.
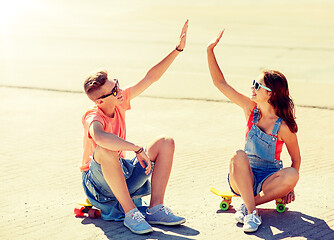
(261, 172)
(100, 194)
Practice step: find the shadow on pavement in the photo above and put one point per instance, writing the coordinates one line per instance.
(292, 224)
(289, 224)
(116, 230)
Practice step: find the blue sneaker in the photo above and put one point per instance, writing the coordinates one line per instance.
(240, 213)
(160, 214)
(135, 221)
(252, 222)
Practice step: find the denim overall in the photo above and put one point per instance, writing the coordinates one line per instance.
(260, 148)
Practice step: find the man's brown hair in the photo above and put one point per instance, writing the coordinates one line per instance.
(94, 81)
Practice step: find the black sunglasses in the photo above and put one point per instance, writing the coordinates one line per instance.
(114, 91)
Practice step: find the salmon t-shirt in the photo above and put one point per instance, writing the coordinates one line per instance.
(115, 125)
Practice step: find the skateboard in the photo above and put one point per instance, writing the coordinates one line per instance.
(87, 210)
(227, 200)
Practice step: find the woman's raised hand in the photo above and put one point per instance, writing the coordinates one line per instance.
(215, 41)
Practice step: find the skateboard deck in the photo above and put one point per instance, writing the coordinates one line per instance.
(87, 210)
(228, 195)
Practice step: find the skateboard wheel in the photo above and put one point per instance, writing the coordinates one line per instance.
(82, 211)
(224, 205)
(280, 208)
(98, 213)
(77, 212)
(93, 213)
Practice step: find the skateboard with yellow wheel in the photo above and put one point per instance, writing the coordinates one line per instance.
(87, 210)
(228, 195)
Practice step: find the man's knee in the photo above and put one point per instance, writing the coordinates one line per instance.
(167, 142)
(102, 154)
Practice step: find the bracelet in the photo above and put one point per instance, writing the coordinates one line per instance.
(140, 150)
(179, 50)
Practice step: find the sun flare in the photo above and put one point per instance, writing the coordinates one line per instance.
(12, 11)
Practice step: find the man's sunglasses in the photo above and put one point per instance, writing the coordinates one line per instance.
(114, 91)
(257, 86)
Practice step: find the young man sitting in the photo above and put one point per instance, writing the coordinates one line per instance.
(115, 184)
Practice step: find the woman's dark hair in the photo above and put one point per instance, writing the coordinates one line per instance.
(280, 97)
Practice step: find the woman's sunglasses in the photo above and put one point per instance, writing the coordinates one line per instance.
(257, 86)
(114, 91)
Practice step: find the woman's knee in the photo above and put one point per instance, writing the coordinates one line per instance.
(291, 176)
(294, 174)
(239, 158)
